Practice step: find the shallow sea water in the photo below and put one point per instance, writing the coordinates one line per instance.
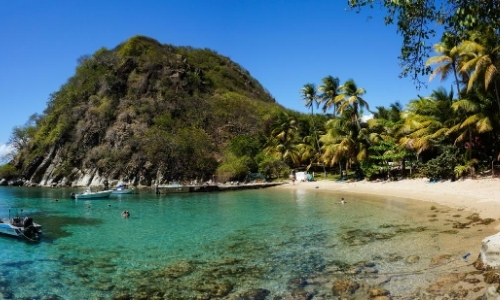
(213, 245)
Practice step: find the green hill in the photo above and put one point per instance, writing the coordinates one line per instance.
(144, 111)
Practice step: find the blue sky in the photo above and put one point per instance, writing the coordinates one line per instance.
(284, 44)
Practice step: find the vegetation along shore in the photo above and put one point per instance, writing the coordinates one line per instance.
(147, 114)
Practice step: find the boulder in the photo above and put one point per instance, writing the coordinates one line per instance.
(490, 250)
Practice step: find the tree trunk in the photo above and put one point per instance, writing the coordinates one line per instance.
(317, 141)
(498, 97)
(403, 167)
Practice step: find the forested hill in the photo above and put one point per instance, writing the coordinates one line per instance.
(142, 112)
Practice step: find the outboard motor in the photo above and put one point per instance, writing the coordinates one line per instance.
(30, 230)
(72, 195)
(27, 222)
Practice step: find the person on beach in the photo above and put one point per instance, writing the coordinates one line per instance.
(292, 177)
(342, 201)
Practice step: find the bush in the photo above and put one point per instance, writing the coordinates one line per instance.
(8, 171)
(273, 168)
(443, 166)
(235, 168)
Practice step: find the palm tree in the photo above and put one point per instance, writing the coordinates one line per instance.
(477, 122)
(448, 61)
(283, 140)
(329, 90)
(309, 94)
(428, 121)
(482, 61)
(310, 97)
(385, 131)
(343, 142)
(350, 100)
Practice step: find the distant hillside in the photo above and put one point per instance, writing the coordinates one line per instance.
(143, 112)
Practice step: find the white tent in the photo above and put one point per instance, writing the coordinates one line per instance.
(301, 176)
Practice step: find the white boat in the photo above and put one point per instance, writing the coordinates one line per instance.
(123, 189)
(19, 226)
(88, 194)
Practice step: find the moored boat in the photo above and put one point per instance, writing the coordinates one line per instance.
(22, 227)
(123, 189)
(88, 194)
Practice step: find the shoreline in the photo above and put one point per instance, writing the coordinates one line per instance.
(480, 196)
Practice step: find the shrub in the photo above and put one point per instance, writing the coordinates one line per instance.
(8, 171)
(444, 165)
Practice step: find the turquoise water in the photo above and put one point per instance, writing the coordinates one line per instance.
(214, 245)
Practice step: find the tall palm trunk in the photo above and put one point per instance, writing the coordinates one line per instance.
(317, 141)
(496, 93)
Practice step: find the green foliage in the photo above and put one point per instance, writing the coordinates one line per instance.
(418, 21)
(164, 121)
(8, 171)
(244, 145)
(234, 168)
(219, 72)
(273, 168)
(138, 46)
(22, 135)
(383, 156)
(64, 170)
(443, 166)
(466, 169)
(147, 109)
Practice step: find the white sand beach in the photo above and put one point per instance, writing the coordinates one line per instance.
(481, 196)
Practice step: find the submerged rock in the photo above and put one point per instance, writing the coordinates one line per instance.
(440, 259)
(254, 294)
(179, 269)
(343, 287)
(302, 295)
(445, 282)
(413, 259)
(379, 293)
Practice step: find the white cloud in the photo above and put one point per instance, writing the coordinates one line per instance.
(367, 117)
(4, 150)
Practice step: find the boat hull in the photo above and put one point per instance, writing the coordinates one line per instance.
(124, 191)
(8, 229)
(33, 232)
(93, 195)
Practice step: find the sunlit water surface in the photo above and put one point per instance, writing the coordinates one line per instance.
(190, 244)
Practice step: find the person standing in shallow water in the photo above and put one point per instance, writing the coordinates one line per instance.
(342, 201)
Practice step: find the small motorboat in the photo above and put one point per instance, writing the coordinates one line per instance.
(88, 194)
(123, 189)
(18, 226)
